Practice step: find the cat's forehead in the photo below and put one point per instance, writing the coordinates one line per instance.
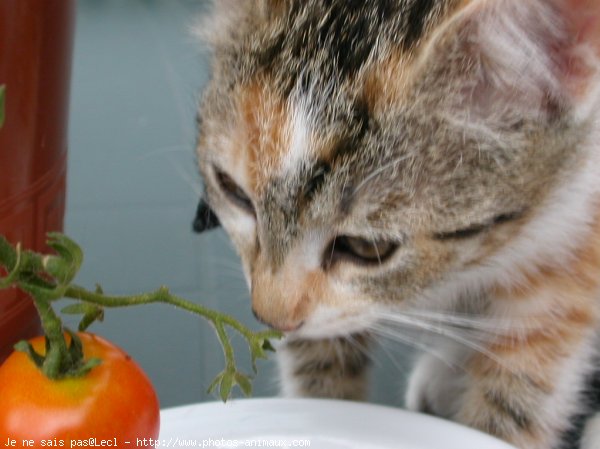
(291, 89)
(277, 137)
(303, 83)
(328, 40)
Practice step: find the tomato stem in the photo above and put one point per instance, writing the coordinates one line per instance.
(57, 355)
(162, 295)
(48, 278)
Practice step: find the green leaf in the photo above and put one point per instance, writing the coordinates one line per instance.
(90, 312)
(2, 104)
(244, 383)
(8, 254)
(226, 385)
(257, 351)
(14, 273)
(66, 265)
(216, 381)
(79, 366)
(95, 314)
(75, 309)
(267, 346)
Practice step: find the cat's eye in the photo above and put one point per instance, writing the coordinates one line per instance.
(233, 191)
(476, 229)
(359, 250)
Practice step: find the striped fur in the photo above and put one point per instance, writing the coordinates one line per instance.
(422, 164)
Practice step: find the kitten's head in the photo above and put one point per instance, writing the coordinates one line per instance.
(364, 153)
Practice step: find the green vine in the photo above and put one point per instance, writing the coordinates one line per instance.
(48, 278)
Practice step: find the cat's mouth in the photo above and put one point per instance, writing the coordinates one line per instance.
(329, 322)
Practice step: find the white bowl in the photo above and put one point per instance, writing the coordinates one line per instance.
(314, 423)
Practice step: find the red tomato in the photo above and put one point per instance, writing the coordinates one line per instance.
(114, 401)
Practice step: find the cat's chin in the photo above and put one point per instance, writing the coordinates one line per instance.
(327, 322)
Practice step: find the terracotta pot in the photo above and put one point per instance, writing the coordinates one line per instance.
(35, 64)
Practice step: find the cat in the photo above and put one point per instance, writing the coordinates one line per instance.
(429, 164)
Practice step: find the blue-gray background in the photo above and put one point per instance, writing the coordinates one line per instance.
(132, 192)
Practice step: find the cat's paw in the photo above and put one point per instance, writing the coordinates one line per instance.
(434, 387)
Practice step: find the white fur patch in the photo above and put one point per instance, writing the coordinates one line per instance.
(304, 106)
(286, 361)
(298, 132)
(307, 255)
(329, 322)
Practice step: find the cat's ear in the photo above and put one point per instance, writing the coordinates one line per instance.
(533, 53)
(582, 20)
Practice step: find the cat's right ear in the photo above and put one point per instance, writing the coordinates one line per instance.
(205, 219)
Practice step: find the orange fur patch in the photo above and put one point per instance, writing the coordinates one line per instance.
(265, 118)
(581, 278)
(386, 82)
(570, 310)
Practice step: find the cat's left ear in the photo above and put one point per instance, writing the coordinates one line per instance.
(581, 54)
(527, 54)
(563, 35)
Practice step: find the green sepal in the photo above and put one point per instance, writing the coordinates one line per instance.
(27, 348)
(75, 348)
(87, 366)
(244, 382)
(79, 366)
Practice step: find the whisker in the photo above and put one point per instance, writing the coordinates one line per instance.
(360, 346)
(387, 332)
(376, 250)
(392, 357)
(467, 339)
(187, 178)
(332, 251)
(470, 321)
